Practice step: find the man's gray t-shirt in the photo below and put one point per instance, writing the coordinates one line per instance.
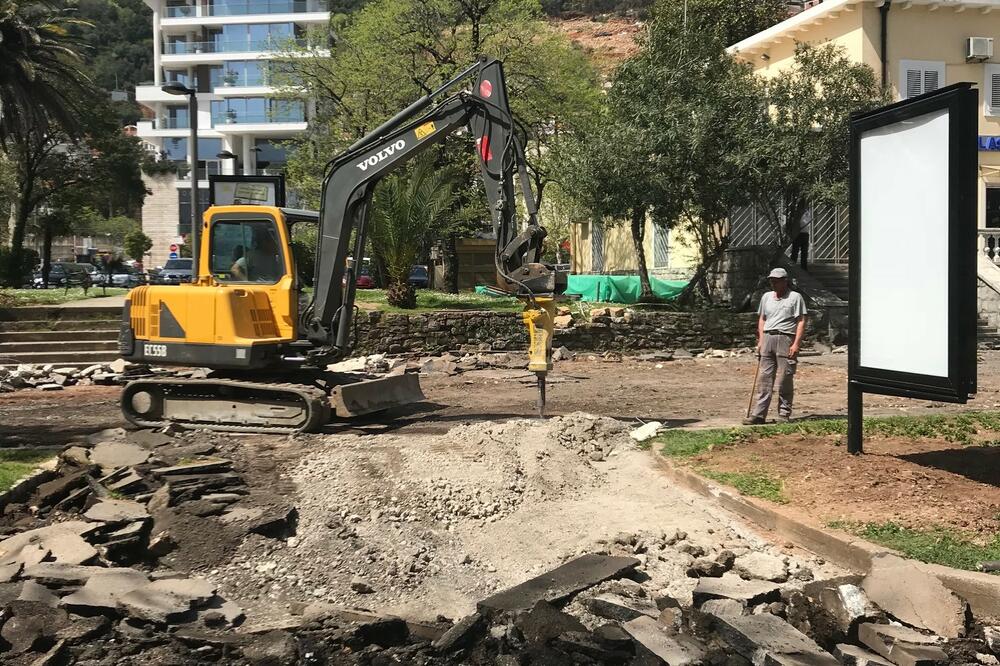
(781, 315)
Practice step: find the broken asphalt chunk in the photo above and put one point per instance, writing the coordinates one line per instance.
(731, 586)
(55, 573)
(117, 511)
(901, 645)
(852, 655)
(101, 592)
(275, 522)
(544, 622)
(559, 583)
(769, 640)
(676, 650)
(195, 468)
(112, 455)
(616, 607)
(167, 600)
(910, 594)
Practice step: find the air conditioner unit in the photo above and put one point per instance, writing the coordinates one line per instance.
(978, 49)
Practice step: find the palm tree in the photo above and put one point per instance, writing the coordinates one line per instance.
(408, 209)
(40, 74)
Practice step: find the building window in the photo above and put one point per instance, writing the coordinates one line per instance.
(917, 77)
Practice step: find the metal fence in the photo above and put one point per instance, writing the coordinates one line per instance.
(828, 233)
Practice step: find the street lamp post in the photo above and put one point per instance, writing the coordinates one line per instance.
(177, 88)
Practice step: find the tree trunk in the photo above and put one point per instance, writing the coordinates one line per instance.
(46, 256)
(13, 269)
(638, 233)
(450, 250)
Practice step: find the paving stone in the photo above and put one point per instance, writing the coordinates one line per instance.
(32, 591)
(117, 511)
(616, 607)
(770, 641)
(103, 590)
(907, 592)
(901, 645)
(675, 650)
(560, 583)
(852, 655)
(544, 621)
(56, 573)
(112, 455)
(731, 586)
(761, 566)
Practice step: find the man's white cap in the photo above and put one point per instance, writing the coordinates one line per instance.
(778, 273)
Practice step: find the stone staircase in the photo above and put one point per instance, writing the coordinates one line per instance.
(834, 277)
(62, 336)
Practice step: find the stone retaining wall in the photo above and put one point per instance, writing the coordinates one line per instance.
(435, 332)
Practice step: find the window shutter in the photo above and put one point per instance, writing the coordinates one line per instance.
(931, 80)
(914, 84)
(995, 91)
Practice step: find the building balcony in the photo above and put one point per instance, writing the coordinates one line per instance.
(242, 123)
(234, 46)
(247, 8)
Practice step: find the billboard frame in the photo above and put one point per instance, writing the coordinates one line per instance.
(961, 101)
(277, 180)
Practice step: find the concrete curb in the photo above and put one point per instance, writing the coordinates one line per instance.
(22, 489)
(981, 590)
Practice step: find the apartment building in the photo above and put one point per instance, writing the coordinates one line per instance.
(222, 49)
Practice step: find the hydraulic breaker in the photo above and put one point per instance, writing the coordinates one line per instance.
(539, 316)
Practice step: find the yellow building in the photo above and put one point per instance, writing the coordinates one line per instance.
(916, 46)
(608, 250)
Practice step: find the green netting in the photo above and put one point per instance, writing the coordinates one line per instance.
(620, 288)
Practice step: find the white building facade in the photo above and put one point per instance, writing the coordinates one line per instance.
(221, 48)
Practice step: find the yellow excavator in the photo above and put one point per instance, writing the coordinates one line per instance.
(241, 318)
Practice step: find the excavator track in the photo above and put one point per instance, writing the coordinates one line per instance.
(234, 405)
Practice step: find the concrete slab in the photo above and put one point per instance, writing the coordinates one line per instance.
(112, 455)
(676, 650)
(168, 600)
(559, 583)
(766, 639)
(55, 573)
(731, 586)
(60, 541)
(901, 645)
(903, 589)
(103, 590)
(852, 655)
(117, 511)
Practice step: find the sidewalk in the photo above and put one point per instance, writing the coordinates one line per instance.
(100, 301)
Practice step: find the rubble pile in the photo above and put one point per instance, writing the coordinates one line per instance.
(83, 556)
(592, 437)
(51, 377)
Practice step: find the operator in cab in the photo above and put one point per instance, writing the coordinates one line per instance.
(262, 263)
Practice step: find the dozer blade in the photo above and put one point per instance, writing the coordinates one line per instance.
(375, 395)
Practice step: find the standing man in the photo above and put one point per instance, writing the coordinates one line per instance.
(800, 244)
(781, 323)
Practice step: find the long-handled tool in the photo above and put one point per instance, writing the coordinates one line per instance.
(753, 390)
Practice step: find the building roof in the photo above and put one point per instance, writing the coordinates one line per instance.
(828, 9)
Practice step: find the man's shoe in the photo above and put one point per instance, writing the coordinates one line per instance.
(784, 418)
(753, 420)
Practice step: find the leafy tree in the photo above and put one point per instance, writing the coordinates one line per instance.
(407, 209)
(802, 153)
(137, 244)
(41, 74)
(724, 21)
(119, 40)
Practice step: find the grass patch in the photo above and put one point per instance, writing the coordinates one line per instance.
(18, 463)
(754, 484)
(959, 428)
(936, 545)
(22, 297)
(429, 300)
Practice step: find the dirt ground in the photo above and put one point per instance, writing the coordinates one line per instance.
(449, 500)
(685, 392)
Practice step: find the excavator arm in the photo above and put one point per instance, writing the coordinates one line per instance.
(351, 177)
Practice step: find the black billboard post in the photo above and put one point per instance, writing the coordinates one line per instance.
(913, 252)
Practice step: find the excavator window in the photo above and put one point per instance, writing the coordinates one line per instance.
(246, 251)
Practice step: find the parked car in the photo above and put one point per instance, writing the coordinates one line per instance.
(61, 271)
(175, 271)
(365, 280)
(125, 277)
(420, 277)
